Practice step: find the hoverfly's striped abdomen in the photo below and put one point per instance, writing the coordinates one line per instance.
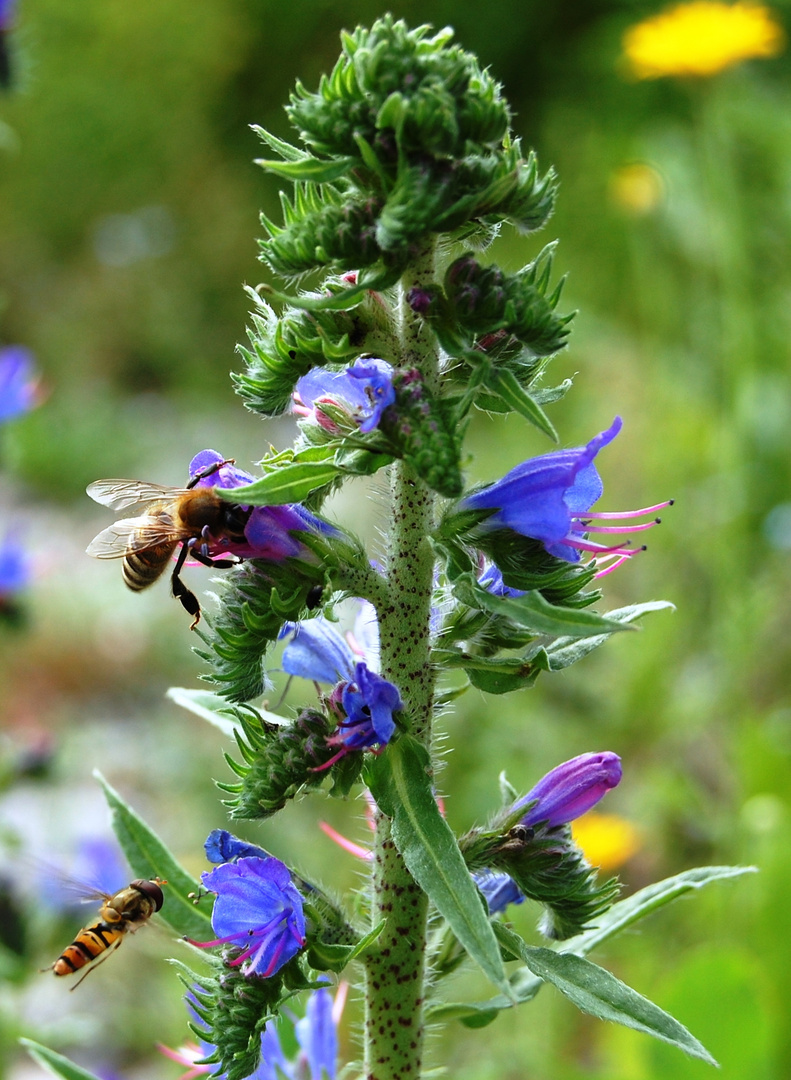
(142, 568)
(88, 944)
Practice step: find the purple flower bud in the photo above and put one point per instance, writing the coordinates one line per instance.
(259, 910)
(363, 390)
(268, 530)
(571, 789)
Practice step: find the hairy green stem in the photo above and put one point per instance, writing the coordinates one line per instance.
(395, 971)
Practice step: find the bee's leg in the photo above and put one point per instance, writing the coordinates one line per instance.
(188, 599)
(220, 564)
(209, 470)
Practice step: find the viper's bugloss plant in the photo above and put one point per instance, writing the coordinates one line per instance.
(404, 169)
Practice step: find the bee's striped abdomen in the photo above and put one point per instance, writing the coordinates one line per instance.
(142, 568)
(88, 944)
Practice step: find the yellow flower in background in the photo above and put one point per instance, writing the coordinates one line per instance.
(701, 38)
(637, 188)
(607, 840)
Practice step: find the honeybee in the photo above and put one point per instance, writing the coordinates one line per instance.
(121, 913)
(190, 516)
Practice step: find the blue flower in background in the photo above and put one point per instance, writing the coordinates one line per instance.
(316, 1034)
(14, 568)
(269, 530)
(492, 580)
(18, 382)
(258, 909)
(499, 889)
(548, 498)
(363, 390)
(317, 651)
(569, 790)
(318, 1037)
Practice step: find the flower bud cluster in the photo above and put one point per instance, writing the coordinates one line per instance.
(418, 424)
(233, 1010)
(257, 598)
(483, 300)
(281, 761)
(417, 137)
(284, 348)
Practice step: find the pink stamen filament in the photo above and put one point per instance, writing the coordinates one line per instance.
(348, 845)
(615, 565)
(589, 545)
(615, 516)
(619, 528)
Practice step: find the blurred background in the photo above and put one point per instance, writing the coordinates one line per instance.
(128, 219)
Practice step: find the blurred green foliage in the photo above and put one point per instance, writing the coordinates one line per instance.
(128, 219)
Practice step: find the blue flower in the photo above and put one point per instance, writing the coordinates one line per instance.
(363, 391)
(549, 498)
(499, 889)
(492, 580)
(317, 1036)
(222, 846)
(14, 568)
(269, 532)
(317, 651)
(259, 910)
(569, 790)
(18, 383)
(369, 702)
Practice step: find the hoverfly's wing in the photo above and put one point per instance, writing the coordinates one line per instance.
(120, 494)
(134, 534)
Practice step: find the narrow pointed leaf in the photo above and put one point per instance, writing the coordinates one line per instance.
(149, 858)
(533, 612)
(308, 168)
(286, 150)
(506, 385)
(565, 651)
(54, 1063)
(290, 484)
(596, 991)
(400, 783)
(653, 897)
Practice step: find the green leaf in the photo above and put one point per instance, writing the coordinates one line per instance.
(286, 150)
(501, 676)
(149, 858)
(309, 168)
(647, 900)
(525, 985)
(533, 612)
(506, 385)
(56, 1063)
(400, 782)
(289, 484)
(326, 957)
(596, 991)
(564, 651)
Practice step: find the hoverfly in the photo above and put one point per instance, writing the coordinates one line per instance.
(190, 516)
(121, 913)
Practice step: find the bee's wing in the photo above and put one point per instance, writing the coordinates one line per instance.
(120, 494)
(134, 534)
